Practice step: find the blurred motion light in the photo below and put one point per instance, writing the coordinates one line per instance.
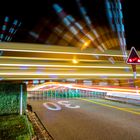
(74, 61)
(138, 60)
(86, 44)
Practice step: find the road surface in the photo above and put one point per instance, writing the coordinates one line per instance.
(89, 119)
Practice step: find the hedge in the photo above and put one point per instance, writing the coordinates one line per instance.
(10, 98)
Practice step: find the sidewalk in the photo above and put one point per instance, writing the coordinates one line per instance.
(123, 100)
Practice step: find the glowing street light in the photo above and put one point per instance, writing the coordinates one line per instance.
(74, 61)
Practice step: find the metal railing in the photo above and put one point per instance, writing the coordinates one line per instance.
(69, 94)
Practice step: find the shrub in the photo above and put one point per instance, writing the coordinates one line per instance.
(10, 98)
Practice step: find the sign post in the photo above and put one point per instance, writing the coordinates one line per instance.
(133, 59)
(21, 96)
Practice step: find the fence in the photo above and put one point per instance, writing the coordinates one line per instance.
(64, 94)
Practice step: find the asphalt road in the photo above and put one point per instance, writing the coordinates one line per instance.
(95, 119)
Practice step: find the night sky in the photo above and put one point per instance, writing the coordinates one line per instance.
(96, 10)
(131, 12)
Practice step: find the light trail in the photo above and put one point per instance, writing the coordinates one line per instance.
(121, 90)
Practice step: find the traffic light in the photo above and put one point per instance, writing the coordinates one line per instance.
(133, 57)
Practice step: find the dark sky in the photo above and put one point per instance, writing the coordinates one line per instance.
(96, 9)
(131, 12)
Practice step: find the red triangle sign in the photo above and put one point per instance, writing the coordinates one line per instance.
(133, 57)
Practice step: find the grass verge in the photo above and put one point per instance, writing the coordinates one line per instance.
(15, 127)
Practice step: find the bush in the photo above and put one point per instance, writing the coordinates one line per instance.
(10, 98)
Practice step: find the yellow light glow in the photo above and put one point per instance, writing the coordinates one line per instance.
(52, 59)
(66, 74)
(66, 66)
(86, 44)
(54, 52)
(74, 61)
